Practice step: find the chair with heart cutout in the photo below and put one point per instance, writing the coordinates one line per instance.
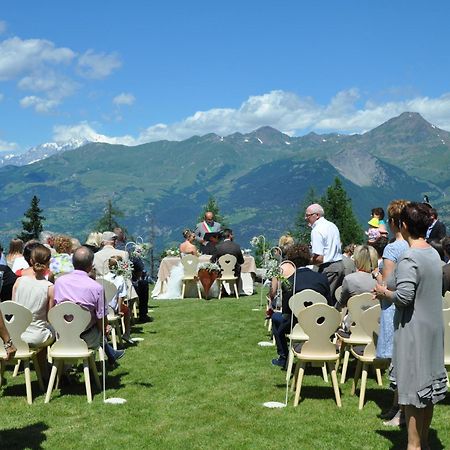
(227, 264)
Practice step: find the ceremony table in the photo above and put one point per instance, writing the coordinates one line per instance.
(248, 270)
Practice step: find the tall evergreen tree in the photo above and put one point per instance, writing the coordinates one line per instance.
(302, 232)
(32, 223)
(338, 209)
(213, 206)
(108, 221)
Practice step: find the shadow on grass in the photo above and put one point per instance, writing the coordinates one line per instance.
(29, 437)
(399, 438)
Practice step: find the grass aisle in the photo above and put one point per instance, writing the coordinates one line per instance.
(198, 381)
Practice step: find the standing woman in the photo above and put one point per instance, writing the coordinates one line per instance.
(418, 355)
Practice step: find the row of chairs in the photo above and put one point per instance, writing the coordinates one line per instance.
(312, 340)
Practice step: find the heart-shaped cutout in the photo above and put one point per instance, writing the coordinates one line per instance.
(68, 317)
(307, 303)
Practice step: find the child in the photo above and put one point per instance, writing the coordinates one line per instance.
(377, 225)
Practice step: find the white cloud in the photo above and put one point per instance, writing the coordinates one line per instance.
(40, 104)
(124, 99)
(19, 56)
(346, 112)
(8, 146)
(3, 26)
(97, 65)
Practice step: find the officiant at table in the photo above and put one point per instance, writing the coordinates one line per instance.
(208, 226)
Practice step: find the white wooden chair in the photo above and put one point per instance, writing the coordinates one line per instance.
(69, 321)
(227, 264)
(446, 300)
(17, 318)
(319, 321)
(190, 263)
(366, 355)
(356, 306)
(298, 303)
(114, 319)
(446, 319)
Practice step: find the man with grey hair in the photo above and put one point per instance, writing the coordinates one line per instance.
(47, 238)
(101, 258)
(325, 247)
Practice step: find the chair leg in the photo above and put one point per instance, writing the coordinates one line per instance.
(362, 391)
(114, 337)
(299, 383)
(356, 377)
(379, 377)
(16, 368)
(290, 365)
(38, 373)
(87, 380)
(135, 311)
(183, 289)
(26, 369)
(324, 372)
(220, 289)
(51, 382)
(335, 385)
(122, 323)
(94, 371)
(345, 365)
(236, 290)
(294, 378)
(199, 292)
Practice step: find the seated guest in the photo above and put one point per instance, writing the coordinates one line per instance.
(446, 267)
(15, 251)
(27, 249)
(305, 278)
(347, 260)
(187, 247)
(61, 262)
(228, 247)
(101, 258)
(285, 241)
(36, 293)
(366, 261)
(47, 238)
(117, 302)
(7, 280)
(78, 288)
(94, 241)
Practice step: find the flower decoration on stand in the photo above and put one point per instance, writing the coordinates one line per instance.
(123, 268)
(140, 250)
(172, 251)
(273, 269)
(209, 266)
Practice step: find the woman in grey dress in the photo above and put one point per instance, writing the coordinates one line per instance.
(418, 355)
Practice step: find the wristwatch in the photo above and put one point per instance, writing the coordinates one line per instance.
(8, 344)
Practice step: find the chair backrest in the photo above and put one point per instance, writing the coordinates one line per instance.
(319, 322)
(109, 288)
(190, 263)
(446, 300)
(301, 300)
(370, 321)
(446, 318)
(337, 293)
(69, 320)
(227, 263)
(356, 306)
(17, 318)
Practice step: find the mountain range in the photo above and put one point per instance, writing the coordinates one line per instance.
(259, 179)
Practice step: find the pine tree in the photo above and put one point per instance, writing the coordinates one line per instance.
(32, 223)
(108, 221)
(338, 209)
(214, 208)
(302, 232)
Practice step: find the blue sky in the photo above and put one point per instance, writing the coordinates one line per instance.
(139, 71)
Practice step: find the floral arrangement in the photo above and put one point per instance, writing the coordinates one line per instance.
(273, 270)
(209, 266)
(123, 268)
(255, 240)
(172, 251)
(140, 249)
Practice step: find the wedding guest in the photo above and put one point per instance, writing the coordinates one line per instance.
(446, 267)
(284, 242)
(15, 251)
(94, 241)
(437, 230)
(347, 259)
(27, 249)
(47, 238)
(305, 278)
(7, 280)
(187, 247)
(325, 247)
(121, 240)
(101, 258)
(209, 225)
(418, 356)
(61, 262)
(36, 293)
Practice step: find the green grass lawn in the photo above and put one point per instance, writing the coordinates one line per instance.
(199, 380)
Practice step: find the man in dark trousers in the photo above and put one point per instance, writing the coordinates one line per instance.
(229, 247)
(305, 278)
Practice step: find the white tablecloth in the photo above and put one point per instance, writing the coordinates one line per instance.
(248, 270)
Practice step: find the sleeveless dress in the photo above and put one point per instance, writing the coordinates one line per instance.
(32, 294)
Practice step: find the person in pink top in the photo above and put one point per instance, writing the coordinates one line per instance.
(79, 288)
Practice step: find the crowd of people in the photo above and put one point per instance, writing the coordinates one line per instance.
(407, 272)
(43, 273)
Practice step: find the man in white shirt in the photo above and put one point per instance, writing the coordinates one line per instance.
(325, 247)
